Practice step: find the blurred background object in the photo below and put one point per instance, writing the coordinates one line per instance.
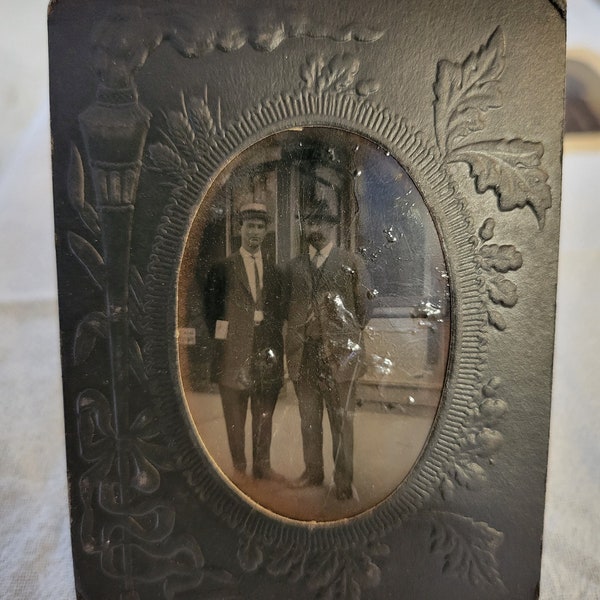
(583, 93)
(582, 118)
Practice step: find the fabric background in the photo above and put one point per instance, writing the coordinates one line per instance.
(35, 558)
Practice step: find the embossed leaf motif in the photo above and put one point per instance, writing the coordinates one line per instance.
(136, 362)
(180, 132)
(512, 170)
(486, 231)
(200, 118)
(341, 71)
(186, 135)
(323, 571)
(76, 193)
(338, 74)
(330, 575)
(309, 71)
(75, 181)
(164, 159)
(250, 554)
(89, 329)
(89, 257)
(468, 548)
(464, 94)
(288, 561)
(136, 303)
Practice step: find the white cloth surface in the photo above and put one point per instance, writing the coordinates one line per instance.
(35, 556)
(571, 550)
(571, 558)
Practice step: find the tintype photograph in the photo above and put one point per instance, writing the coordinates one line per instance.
(316, 289)
(307, 270)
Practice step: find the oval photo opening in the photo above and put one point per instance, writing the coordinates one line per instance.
(313, 323)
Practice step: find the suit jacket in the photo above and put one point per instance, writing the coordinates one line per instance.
(249, 355)
(339, 298)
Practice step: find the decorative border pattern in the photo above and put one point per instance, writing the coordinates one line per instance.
(464, 438)
(343, 111)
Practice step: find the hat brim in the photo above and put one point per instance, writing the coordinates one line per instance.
(254, 214)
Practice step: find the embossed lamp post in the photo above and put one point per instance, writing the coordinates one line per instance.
(114, 129)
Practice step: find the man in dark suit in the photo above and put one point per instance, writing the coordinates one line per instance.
(328, 310)
(244, 311)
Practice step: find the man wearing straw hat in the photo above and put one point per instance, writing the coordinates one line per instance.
(244, 312)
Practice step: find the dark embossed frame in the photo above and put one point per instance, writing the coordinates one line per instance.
(469, 318)
(145, 491)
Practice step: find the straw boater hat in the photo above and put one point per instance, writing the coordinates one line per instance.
(254, 210)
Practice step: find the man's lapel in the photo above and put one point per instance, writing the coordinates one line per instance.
(308, 272)
(240, 272)
(329, 268)
(269, 274)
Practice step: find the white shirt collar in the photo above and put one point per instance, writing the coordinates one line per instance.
(249, 255)
(324, 252)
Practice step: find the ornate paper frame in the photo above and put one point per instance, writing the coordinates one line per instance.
(151, 516)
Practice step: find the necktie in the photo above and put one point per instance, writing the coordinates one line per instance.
(313, 330)
(316, 258)
(257, 286)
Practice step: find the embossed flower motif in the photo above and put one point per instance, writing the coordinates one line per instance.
(111, 454)
(480, 444)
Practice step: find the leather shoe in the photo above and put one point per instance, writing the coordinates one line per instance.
(343, 492)
(307, 480)
(268, 474)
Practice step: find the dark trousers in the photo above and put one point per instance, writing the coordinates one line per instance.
(316, 387)
(235, 407)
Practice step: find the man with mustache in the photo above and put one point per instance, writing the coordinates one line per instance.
(328, 310)
(244, 312)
